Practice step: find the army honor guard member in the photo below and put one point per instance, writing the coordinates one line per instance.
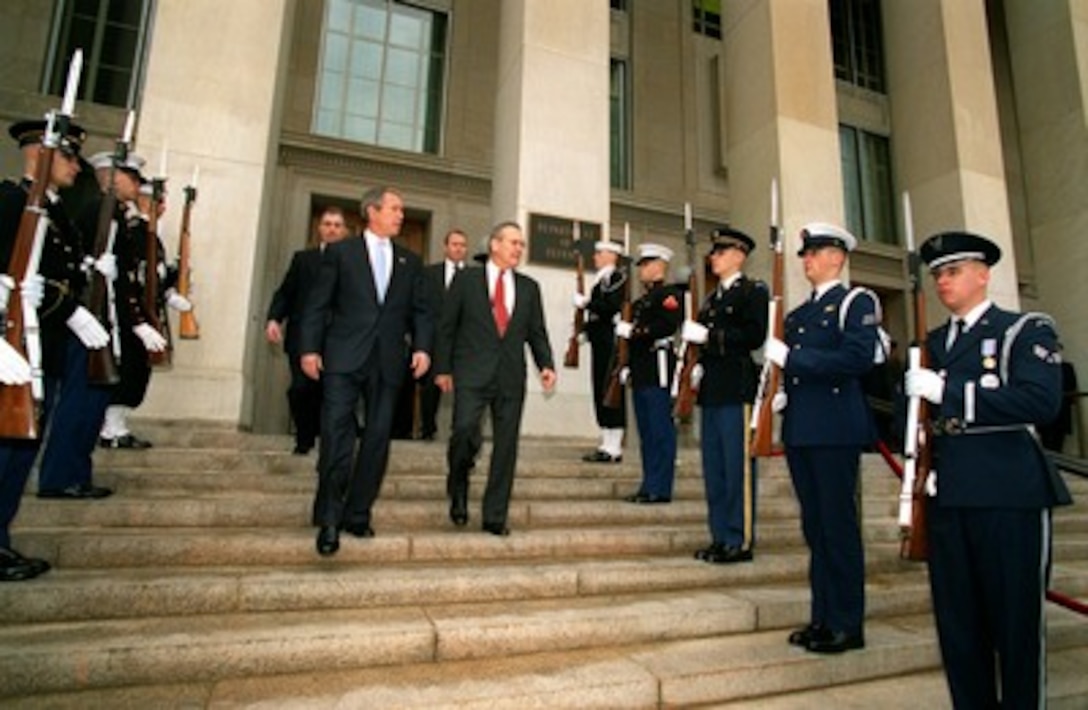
(602, 307)
(823, 359)
(995, 377)
(732, 322)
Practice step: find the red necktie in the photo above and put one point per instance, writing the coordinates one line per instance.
(498, 304)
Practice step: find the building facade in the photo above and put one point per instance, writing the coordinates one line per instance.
(613, 115)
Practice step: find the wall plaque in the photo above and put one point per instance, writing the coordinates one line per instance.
(551, 240)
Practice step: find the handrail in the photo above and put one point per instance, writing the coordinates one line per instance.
(1058, 598)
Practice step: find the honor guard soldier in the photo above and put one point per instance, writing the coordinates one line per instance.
(995, 378)
(602, 307)
(829, 345)
(52, 293)
(655, 318)
(732, 322)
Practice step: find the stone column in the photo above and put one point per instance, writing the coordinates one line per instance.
(210, 100)
(782, 123)
(552, 157)
(945, 134)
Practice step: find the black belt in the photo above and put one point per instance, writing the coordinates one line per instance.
(953, 426)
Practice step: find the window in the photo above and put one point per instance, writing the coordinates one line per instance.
(112, 35)
(867, 185)
(706, 17)
(857, 43)
(619, 110)
(380, 76)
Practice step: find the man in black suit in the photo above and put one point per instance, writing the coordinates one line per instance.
(304, 394)
(438, 278)
(367, 305)
(491, 315)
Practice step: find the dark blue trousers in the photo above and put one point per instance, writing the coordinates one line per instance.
(76, 420)
(16, 461)
(826, 481)
(657, 440)
(730, 475)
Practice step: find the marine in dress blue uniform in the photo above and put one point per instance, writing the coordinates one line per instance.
(62, 275)
(602, 307)
(826, 424)
(655, 318)
(732, 322)
(995, 376)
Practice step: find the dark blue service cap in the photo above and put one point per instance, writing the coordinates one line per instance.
(31, 132)
(949, 247)
(730, 238)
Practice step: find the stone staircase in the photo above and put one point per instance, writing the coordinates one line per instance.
(197, 585)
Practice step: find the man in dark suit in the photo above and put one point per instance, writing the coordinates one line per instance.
(995, 377)
(826, 424)
(364, 327)
(491, 315)
(304, 394)
(438, 278)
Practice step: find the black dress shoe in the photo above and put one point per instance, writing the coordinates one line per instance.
(83, 491)
(459, 511)
(727, 554)
(16, 568)
(599, 456)
(359, 530)
(301, 450)
(836, 642)
(704, 553)
(499, 529)
(126, 441)
(805, 635)
(328, 540)
(647, 499)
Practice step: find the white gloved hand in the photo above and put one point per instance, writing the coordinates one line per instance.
(152, 339)
(583, 337)
(580, 300)
(623, 329)
(779, 402)
(924, 383)
(107, 266)
(776, 351)
(87, 328)
(179, 303)
(14, 370)
(697, 374)
(33, 290)
(7, 284)
(160, 269)
(625, 374)
(694, 332)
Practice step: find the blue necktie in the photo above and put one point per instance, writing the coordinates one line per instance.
(381, 272)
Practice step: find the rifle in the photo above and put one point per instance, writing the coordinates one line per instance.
(571, 358)
(188, 328)
(762, 424)
(682, 390)
(101, 301)
(917, 449)
(20, 405)
(152, 309)
(613, 394)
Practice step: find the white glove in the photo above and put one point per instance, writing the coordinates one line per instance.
(87, 328)
(151, 338)
(14, 370)
(107, 266)
(583, 338)
(625, 374)
(160, 269)
(179, 303)
(33, 290)
(924, 383)
(776, 351)
(779, 402)
(580, 300)
(623, 329)
(697, 373)
(6, 285)
(694, 332)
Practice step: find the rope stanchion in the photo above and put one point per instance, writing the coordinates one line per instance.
(1062, 600)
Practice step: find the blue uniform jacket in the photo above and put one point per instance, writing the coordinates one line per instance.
(826, 404)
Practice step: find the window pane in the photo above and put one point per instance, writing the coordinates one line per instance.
(363, 98)
(398, 104)
(336, 52)
(406, 31)
(366, 60)
(877, 188)
(125, 12)
(331, 91)
(396, 135)
(402, 67)
(339, 17)
(363, 130)
(370, 21)
(851, 180)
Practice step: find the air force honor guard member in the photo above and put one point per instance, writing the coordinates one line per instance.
(995, 377)
(732, 322)
(655, 317)
(602, 306)
(826, 424)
